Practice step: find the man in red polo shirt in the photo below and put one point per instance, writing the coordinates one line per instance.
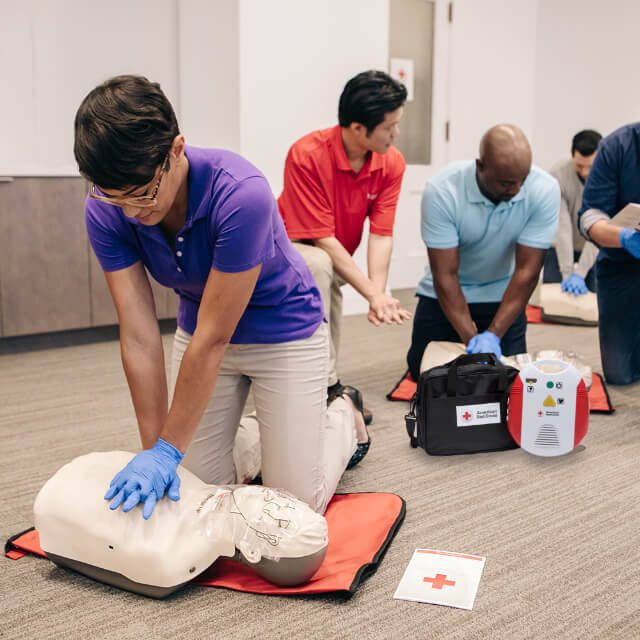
(336, 178)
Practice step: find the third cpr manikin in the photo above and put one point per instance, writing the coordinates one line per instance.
(280, 537)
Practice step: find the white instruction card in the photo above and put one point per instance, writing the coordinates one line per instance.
(628, 217)
(441, 577)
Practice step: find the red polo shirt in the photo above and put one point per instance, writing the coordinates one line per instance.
(324, 197)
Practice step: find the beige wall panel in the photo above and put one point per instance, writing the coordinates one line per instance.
(103, 311)
(44, 270)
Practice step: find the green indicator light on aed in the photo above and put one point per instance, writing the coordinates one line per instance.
(549, 385)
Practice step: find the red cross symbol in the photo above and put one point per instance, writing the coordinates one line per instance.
(466, 415)
(402, 74)
(439, 581)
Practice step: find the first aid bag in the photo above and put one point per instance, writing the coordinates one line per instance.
(461, 406)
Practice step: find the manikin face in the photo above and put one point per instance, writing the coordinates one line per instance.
(583, 164)
(382, 137)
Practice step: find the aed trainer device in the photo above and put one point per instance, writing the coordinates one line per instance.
(548, 408)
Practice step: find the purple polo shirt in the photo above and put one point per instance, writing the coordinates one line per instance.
(232, 225)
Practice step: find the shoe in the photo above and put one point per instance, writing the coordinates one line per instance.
(363, 447)
(335, 391)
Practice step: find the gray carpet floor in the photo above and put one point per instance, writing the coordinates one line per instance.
(560, 534)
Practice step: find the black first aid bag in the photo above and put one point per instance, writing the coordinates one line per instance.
(461, 406)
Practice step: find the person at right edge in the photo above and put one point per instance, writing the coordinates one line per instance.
(487, 225)
(614, 182)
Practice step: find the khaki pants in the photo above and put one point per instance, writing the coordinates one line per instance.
(304, 446)
(329, 284)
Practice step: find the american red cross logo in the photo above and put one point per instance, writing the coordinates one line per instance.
(402, 74)
(440, 581)
(466, 415)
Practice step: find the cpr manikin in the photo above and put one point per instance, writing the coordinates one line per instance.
(438, 353)
(280, 537)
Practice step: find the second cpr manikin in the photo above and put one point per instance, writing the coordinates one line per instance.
(280, 537)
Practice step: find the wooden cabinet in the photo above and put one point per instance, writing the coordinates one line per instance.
(50, 279)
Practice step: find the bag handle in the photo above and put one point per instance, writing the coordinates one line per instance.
(475, 358)
(411, 421)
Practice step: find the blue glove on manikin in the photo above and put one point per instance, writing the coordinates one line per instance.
(630, 240)
(485, 342)
(574, 284)
(146, 478)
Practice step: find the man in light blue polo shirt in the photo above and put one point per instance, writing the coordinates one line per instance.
(487, 225)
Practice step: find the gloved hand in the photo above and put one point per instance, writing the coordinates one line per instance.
(630, 240)
(485, 342)
(146, 478)
(574, 284)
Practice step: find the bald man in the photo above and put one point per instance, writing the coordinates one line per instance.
(487, 225)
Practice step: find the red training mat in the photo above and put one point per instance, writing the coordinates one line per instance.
(534, 315)
(599, 401)
(361, 527)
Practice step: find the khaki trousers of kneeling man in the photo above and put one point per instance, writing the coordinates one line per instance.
(329, 284)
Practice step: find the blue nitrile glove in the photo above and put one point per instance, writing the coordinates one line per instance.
(146, 478)
(630, 240)
(485, 342)
(574, 284)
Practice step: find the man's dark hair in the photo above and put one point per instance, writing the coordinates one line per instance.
(585, 142)
(124, 129)
(367, 97)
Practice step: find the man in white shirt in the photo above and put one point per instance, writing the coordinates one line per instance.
(571, 258)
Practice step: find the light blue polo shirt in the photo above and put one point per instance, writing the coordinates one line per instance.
(456, 214)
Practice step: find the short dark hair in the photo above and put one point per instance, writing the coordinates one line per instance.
(124, 130)
(585, 142)
(367, 97)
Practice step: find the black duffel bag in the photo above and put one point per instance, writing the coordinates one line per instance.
(461, 406)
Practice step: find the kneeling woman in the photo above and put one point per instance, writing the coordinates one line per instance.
(204, 222)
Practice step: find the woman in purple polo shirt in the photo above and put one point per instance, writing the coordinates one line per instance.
(204, 222)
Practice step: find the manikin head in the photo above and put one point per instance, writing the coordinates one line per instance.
(128, 146)
(504, 162)
(371, 106)
(583, 151)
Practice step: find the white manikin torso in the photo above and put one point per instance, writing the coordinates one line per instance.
(181, 539)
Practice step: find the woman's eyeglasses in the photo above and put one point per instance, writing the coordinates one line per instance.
(135, 201)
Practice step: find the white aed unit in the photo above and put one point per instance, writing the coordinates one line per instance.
(548, 408)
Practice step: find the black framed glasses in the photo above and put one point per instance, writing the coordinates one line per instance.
(135, 201)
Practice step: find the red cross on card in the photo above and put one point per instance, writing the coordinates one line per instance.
(439, 581)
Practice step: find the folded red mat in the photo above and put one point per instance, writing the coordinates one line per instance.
(361, 527)
(534, 315)
(599, 401)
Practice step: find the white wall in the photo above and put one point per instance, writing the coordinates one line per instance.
(54, 51)
(493, 59)
(296, 56)
(586, 71)
(209, 80)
